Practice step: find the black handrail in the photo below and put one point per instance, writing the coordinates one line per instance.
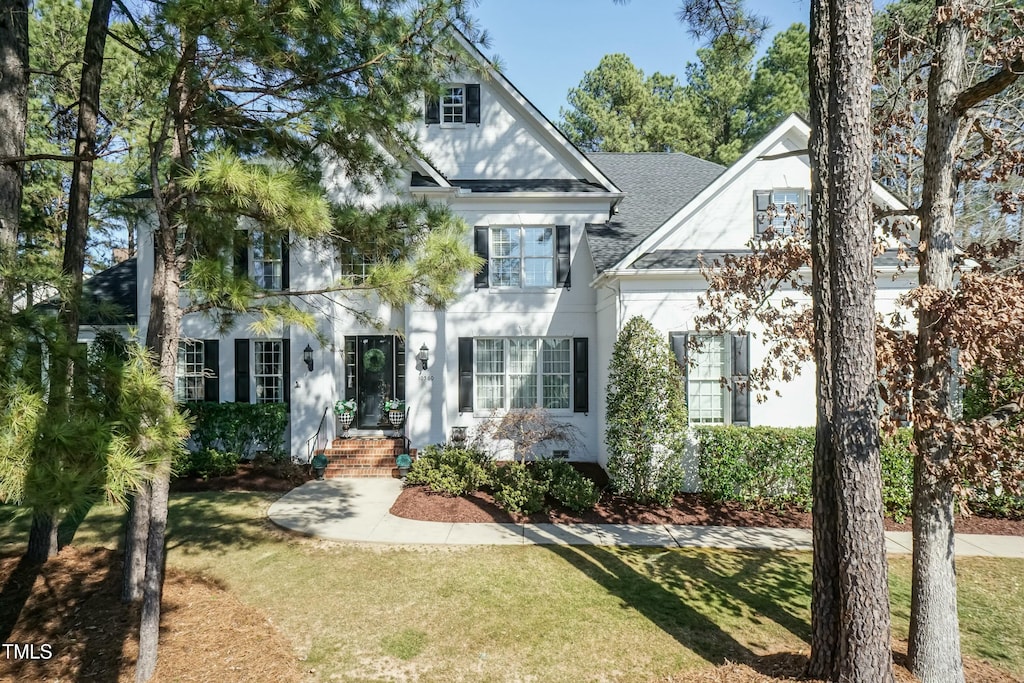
(315, 439)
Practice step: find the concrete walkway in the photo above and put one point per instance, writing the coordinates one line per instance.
(358, 510)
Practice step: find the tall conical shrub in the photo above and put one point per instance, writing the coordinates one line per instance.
(646, 433)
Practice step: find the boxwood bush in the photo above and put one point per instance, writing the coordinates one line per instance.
(450, 469)
(566, 485)
(517, 490)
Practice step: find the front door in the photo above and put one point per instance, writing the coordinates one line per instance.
(375, 372)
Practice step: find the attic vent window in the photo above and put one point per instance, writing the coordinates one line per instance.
(459, 104)
(453, 108)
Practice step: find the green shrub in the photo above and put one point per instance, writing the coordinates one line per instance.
(1004, 506)
(516, 490)
(240, 428)
(207, 462)
(771, 466)
(646, 432)
(898, 474)
(566, 485)
(450, 470)
(759, 466)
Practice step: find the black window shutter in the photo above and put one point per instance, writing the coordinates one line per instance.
(472, 103)
(286, 370)
(432, 113)
(680, 342)
(211, 367)
(741, 372)
(465, 374)
(480, 242)
(241, 371)
(241, 254)
(285, 268)
(580, 375)
(762, 200)
(563, 269)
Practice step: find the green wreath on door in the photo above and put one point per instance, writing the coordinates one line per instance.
(373, 360)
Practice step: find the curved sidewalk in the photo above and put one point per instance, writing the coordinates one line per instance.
(358, 510)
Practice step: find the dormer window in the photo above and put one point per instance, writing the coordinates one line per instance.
(459, 105)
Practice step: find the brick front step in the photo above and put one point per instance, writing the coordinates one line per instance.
(364, 457)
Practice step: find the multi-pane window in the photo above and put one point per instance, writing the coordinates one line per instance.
(355, 265)
(453, 105)
(189, 382)
(788, 204)
(268, 371)
(706, 397)
(522, 257)
(267, 260)
(522, 373)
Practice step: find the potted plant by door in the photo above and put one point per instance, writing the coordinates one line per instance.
(403, 462)
(395, 409)
(319, 465)
(345, 409)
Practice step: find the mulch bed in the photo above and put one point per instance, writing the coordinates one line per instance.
(416, 502)
(73, 605)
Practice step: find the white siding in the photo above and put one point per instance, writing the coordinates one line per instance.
(505, 144)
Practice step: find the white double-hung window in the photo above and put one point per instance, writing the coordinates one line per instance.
(267, 261)
(190, 379)
(706, 396)
(268, 371)
(522, 257)
(524, 372)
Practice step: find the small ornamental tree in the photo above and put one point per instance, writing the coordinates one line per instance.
(646, 433)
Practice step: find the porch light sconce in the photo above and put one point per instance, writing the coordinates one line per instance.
(307, 357)
(458, 434)
(423, 357)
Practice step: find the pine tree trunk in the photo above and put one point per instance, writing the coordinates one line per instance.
(824, 658)
(934, 649)
(865, 650)
(81, 178)
(135, 538)
(42, 538)
(13, 118)
(149, 628)
(162, 339)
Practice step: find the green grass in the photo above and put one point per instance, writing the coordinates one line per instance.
(359, 613)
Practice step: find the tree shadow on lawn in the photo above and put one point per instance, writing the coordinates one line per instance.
(204, 522)
(667, 585)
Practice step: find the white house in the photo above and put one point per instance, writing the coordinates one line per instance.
(574, 244)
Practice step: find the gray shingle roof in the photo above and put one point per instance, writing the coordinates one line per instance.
(656, 185)
(690, 258)
(109, 296)
(515, 184)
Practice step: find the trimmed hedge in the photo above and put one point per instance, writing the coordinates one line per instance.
(763, 466)
(227, 433)
(771, 466)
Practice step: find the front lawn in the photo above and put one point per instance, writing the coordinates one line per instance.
(357, 613)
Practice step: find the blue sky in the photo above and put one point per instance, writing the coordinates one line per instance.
(545, 46)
